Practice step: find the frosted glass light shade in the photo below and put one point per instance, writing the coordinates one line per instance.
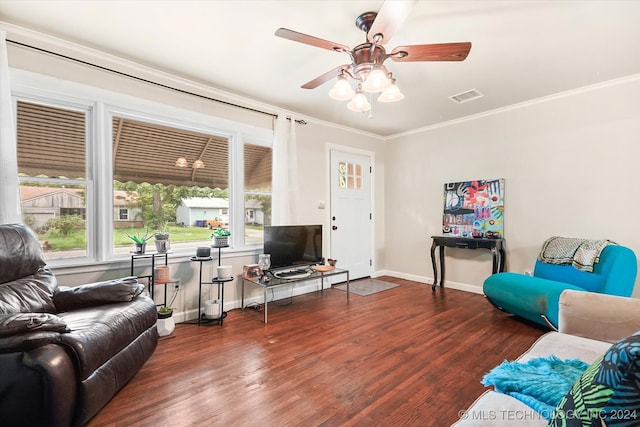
(376, 81)
(342, 90)
(391, 94)
(359, 102)
(198, 164)
(181, 162)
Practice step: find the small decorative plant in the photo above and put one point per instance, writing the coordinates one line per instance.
(137, 239)
(221, 236)
(164, 312)
(140, 241)
(162, 241)
(220, 232)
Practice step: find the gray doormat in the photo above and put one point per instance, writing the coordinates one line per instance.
(366, 287)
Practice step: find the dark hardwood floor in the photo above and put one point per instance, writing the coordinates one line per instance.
(405, 356)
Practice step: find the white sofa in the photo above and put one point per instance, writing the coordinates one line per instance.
(588, 325)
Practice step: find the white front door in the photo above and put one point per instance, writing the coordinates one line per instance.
(350, 219)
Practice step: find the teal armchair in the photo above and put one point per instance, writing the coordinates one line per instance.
(536, 297)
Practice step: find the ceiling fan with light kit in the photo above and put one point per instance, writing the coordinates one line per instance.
(367, 59)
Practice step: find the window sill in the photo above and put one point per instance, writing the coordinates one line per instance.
(71, 266)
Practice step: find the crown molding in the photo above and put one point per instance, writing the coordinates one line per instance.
(524, 104)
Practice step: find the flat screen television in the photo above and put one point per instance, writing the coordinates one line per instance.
(293, 245)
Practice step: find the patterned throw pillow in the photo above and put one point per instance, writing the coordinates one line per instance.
(608, 391)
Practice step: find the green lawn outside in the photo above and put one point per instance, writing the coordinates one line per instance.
(176, 234)
(76, 240)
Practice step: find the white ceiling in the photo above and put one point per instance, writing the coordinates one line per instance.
(522, 50)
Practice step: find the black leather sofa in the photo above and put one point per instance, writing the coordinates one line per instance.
(64, 352)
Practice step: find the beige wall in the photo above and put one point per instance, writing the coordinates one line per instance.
(570, 165)
(314, 141)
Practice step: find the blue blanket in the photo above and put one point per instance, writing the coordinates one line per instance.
(539, 383)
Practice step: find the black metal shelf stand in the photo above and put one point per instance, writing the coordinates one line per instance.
(219, 282)
(151, 277)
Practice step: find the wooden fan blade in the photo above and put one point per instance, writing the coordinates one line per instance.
(313, 41)
(432, 52)
(325, 77)
(391, 15)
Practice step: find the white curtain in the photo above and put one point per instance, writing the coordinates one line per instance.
(10, 211)
(284, 209)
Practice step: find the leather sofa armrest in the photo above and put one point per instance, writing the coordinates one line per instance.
(118, 290)
(38, 387)
(18, 323)
(598, 316)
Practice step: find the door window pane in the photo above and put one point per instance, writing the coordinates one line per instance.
(350, 176)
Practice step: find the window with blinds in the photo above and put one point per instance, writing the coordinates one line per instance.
(157, 181)
(155, 184)
(52, 159)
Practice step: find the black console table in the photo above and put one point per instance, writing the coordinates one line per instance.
(496, 246)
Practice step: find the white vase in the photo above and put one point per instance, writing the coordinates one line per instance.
(212, 309)
(165, 326)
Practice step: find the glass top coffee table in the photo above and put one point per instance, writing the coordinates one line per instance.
(271, 281)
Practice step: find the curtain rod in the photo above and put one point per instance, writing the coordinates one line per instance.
(302, 122)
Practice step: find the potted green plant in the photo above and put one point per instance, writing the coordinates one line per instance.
(162, 241)
(165, 312)
(140, 241)
(221, 236)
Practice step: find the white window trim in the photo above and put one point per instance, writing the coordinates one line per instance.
(88, 108)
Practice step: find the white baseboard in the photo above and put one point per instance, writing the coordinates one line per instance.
(429, 280)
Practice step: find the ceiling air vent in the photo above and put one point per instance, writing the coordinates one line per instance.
(466, 96)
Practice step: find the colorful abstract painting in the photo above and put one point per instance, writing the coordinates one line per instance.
(474, 208)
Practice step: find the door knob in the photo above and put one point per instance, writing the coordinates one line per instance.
(334, 227)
